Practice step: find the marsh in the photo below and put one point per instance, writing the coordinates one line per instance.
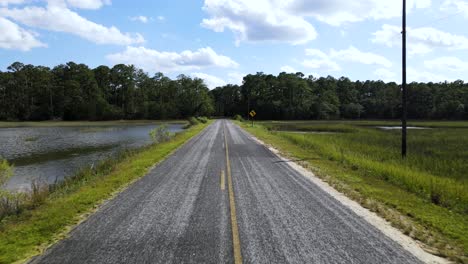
(49, 154)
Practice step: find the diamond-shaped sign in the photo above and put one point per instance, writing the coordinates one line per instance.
(252, 113)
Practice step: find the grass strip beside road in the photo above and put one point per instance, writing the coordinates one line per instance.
(30, 232)
(442, 229)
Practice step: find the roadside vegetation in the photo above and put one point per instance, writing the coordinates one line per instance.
(425, 195)
(48, 212)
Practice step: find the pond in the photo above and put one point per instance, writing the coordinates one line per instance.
(399, 127)
(49, 154)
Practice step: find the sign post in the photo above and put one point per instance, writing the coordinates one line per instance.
(252, 114)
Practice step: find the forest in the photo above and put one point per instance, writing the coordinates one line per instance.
(77, 92)
(294, 96)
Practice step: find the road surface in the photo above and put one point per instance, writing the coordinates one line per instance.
(223, 198)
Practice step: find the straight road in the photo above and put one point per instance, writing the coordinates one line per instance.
(224, 198)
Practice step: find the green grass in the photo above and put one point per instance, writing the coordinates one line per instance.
(28, 233)
(5, 124)
(430, 187)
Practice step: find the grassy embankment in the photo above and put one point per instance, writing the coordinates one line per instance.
(31, 231)
(426, 195)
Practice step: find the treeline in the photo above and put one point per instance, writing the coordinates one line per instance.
(76, 92)
(294, 96)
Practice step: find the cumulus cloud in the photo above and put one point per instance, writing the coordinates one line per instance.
(60, 19)
(236, 77)
(288, 69)
(447, 64)
(210, 80)
(320, 61)
(154, 61)
(420, 40)
(88, 4)
(257, 21)
(458, 6)
(12, 2)
(417, 75)
(328, 62)
(352, 54)
(337, 12)
(286, 20)
(15, 37)
(57, 16)
(142, 19)
(385, 75)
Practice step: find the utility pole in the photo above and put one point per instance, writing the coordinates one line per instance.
(404, 92)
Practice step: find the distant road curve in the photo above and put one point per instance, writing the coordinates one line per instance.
(224, 198)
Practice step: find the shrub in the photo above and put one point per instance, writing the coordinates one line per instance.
(161, 134)
(238, 118)
(192, 121)
(202, 119)
(8, 202)
(5, 171)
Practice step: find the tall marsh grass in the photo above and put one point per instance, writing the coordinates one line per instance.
(436, 167)
(13, 203)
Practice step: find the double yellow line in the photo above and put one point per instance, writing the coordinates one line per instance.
(232, 204)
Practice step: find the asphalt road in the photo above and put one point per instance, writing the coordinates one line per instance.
(198, 206)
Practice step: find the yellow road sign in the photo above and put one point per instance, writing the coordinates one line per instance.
(252, 113)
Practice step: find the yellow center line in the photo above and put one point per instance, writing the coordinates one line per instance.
(232, 204)
(223, 184)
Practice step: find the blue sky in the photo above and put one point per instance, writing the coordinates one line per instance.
(222, 40)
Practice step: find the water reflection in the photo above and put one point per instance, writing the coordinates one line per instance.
(48, 154)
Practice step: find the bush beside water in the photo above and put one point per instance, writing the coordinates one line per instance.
(161, 134)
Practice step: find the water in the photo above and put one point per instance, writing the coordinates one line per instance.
(49, 154)
(399, 127)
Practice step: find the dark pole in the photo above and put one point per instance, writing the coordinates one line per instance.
(404, 93)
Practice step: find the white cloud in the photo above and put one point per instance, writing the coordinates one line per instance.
(58, 17)
(88, 4)
(316, 53)
(10, 2)
(328, 62)
(161, 18)
(154, 61)
(420, 40)
(417, 75)
(385, 75)
(15, 37)
(142, 19)
(325, 64)
(459, 6)
(81, 4)
(210, 80)
(288, 69)
(236, 77)
(447, 64)
(257, 21)
(352, 54)
(337, 12)
(286, 20)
